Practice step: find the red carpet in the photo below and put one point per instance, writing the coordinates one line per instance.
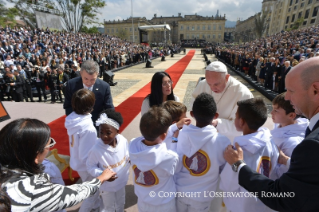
(129, 109)
(132, 106)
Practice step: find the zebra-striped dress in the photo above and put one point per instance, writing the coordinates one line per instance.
(37, 193)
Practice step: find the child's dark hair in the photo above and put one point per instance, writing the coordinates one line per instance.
(204, 108)
(176, 109)
(83, 101)
(154, 123)
(112, 114)
(280, 101)
(5, 204)
(253, 112)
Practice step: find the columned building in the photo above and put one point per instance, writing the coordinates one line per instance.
(188, 27)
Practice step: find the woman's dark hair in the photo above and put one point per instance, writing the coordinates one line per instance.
(83, 101)
(20, 142)
(5, 204)
(156, 95)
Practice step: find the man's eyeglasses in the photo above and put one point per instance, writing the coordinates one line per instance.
(52, 143)
(167, 83)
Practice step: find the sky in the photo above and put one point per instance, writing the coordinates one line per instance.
(234, 9)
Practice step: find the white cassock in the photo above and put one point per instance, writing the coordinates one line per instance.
(226, 104)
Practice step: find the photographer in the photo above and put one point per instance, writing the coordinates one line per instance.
(52, 77)
(39, 75)
(61, 81)
(28, 84)
(2, 85)
(16, 84)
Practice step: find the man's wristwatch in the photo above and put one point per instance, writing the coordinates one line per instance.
(236, 165)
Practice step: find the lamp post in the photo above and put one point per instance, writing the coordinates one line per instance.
(132, 18)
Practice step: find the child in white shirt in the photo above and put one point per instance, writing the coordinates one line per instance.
(200, 149)
(110, 151)
(55, 174)
(260, 154)
(82, 137)
(178, 112)
(153, 165)
(290, 129)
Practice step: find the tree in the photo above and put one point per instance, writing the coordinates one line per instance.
(297, 23)
(76, 13)
(122, 33)
(260, 23)
(27, 13)
(92, 30)
(7, 15)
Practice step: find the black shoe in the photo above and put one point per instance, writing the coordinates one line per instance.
(39, 101)
(45, 100)
(32, 100)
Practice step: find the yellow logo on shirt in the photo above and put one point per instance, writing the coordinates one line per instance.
(146, 179)
(264, 166)
(125, 159)
(198, 164)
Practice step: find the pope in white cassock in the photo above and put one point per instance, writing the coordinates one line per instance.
(227, 91)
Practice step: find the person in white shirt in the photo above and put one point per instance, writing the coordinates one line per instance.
(55, 175)
(261, 154)
(227, 91)
(200, 149)
(82, 137)
(110, 152)
(178, 112)
(161, 91)
(153, 165)
(289, 130)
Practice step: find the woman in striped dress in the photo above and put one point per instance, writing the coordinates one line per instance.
(24, 143)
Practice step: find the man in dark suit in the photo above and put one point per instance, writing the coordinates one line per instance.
(62, 79)
(271, 66)
(282, 77)
(300, 183)
(89, 80)
(16, 85)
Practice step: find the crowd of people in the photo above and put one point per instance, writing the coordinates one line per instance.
(45, 60)
(268, 60)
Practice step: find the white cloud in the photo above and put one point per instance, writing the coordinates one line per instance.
(121, 9)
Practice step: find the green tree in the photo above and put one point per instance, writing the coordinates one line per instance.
(297, 23)
(8, 15)
(27, 13)
(122, 33)
(92, 30)
(260, 23)
(74, 13)
(77, 13)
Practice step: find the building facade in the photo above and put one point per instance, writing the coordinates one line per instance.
(190, 27)
(245, 30)
(287, 12)
(123, 28)
(229, 35)
(281, 15)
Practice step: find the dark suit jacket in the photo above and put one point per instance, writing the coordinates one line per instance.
(19, 84)
(101, 89)
(282, 85)
(302, 178)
